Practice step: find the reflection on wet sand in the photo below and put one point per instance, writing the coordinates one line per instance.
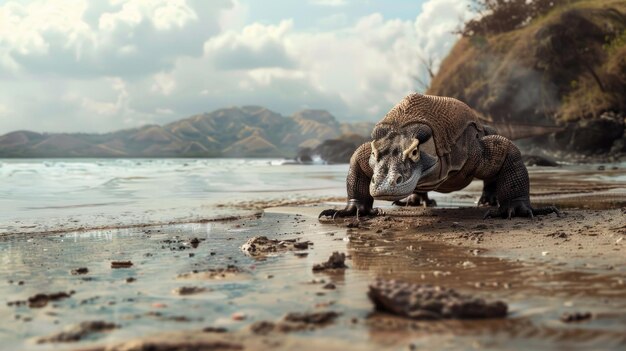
(434, 246)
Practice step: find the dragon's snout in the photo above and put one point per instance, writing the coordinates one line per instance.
(393, 186)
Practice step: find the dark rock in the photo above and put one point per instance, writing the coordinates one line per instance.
(329, 286)
(333, 150)
(534, 160)
(593, 135)
(121, 264)
(188, 290)
(335, 261)
(194, 242)
(77, 271)
(305, 155)
(215, 330)
(575, 317)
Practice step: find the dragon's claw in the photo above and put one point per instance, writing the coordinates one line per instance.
(351, 211)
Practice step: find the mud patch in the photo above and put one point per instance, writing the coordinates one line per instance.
(262, 246)
(295, 322)
(228, 272)
(418, 301)
(189, 290)
(41, 300)
(78, 332)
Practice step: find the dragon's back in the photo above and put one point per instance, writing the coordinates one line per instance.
(447, 117)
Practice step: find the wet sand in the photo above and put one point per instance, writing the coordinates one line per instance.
(548, 271)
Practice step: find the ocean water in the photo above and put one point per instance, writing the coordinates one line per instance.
(54, 194)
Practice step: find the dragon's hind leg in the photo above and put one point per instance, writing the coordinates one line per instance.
(501, 163)
(416, 199)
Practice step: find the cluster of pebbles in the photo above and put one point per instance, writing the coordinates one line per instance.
(418, 301)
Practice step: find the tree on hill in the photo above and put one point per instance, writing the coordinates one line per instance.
(499, 16)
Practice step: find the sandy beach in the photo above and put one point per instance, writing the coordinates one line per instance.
(181, 286)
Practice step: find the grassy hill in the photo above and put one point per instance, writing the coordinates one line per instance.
(567, 66)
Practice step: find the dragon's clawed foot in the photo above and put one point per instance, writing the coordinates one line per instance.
(350, 213)
(353, 209)
(520, 208)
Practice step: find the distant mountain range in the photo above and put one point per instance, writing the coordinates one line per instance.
(248, 131)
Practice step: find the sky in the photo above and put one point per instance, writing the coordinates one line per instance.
(98, 66)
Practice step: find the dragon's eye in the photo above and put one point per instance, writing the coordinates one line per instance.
(414, 153)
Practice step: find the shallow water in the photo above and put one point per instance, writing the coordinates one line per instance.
(56, 195)
(48, 195)
(268, 288)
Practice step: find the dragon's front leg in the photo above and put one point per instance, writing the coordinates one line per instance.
(360, 202)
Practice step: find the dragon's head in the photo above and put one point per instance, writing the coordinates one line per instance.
(397, 161)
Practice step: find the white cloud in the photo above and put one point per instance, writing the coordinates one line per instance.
(164, 111)
(107, 108)
(328, 2)
(121, 38)
(253, 47)
(25, 29)
(164, 15)
(76, 65)
(235, 17)
(4, 110)
(163, 83)
(366, 67)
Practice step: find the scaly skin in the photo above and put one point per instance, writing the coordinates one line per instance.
(430, 143)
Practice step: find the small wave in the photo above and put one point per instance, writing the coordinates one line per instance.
(120, 180)
(80, 206)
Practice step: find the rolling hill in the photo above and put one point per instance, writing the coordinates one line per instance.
(248, 131)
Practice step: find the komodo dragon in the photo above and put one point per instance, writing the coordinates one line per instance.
(428, 143)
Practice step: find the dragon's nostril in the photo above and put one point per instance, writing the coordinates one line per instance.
(399, 180)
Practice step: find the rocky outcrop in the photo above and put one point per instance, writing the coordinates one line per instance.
(566, 67)
(333, 150)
